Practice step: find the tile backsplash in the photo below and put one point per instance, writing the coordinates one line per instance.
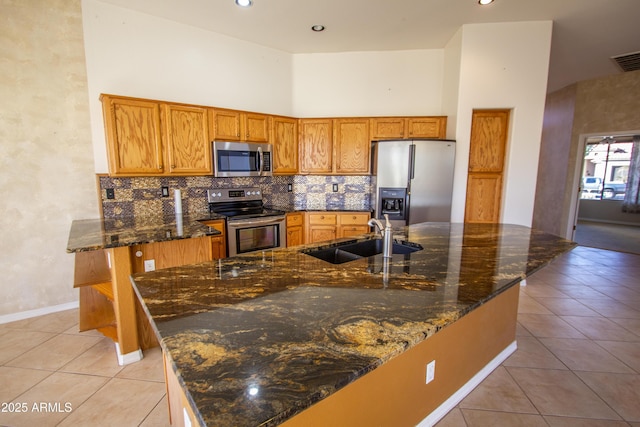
(138, 196)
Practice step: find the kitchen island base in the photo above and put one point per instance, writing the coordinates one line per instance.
(396, 393)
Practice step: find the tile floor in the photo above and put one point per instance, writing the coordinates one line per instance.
(577, 363)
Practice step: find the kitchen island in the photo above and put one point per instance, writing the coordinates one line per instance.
(281, 337)
(108, 250)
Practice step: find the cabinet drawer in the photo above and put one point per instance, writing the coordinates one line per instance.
(294, 219)
(354, 219)
(323, 219)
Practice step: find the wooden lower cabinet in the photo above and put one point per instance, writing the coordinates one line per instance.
(295, 229)
(353, 224)
(219, 241)
(323, 226)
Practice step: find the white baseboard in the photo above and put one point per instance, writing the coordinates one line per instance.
(463, 391)
(7, 318)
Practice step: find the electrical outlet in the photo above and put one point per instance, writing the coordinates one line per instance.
(335, 188)
(165, 191)
(431, 371)
(289, 188)
(149, 265)
(111, 193)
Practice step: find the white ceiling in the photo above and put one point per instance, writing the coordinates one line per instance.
(586, 33)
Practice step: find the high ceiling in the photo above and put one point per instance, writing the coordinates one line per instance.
(586, 33)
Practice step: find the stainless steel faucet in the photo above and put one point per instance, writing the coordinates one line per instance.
(386, 233)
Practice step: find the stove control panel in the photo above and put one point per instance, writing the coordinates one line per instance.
(217, 195)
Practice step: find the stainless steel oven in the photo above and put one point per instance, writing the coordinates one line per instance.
(250, 225)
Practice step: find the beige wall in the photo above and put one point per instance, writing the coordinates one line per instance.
(606, 105)
(46, 157)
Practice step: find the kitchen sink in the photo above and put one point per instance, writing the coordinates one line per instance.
(352, 251)
(374, 247)
(333, 255)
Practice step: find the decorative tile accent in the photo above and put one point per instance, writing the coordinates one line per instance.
(142, 196)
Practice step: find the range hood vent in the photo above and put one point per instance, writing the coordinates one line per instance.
(628, 61)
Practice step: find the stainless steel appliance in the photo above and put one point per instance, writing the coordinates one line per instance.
(250, 226)
(241, 159)
(414, 180)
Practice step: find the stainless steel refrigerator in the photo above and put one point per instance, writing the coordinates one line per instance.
(414, 180)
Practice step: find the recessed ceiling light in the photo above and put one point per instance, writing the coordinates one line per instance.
(483, 2)
(244, 3)
(317, 28)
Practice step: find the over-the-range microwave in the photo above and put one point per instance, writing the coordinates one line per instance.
(241, 159)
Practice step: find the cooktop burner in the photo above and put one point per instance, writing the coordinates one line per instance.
(239, 203)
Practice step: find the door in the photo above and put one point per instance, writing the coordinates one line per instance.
(486, 166)
(392, 164)
(431, 188)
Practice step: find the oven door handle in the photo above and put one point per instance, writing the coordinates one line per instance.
(243, 223)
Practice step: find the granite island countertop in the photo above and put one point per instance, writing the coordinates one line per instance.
(258, 338)
(101, 233)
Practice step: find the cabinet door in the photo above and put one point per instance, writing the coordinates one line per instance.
(295, 236)
(488, 140)
(187, 142)
(352, 146)
(427, 127)
(226, 125)
(295, 230)
(219, 241)
(285, 146)
(132, 129)
(484, 194)
(256, 127)
(316, 145)
(321, 233)
(387, 128)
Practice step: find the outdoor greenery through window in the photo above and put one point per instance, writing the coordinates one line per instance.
(606, 168)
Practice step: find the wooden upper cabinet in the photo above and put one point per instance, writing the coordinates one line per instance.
(316, 145)
(488, 139)
(285, 145)
(134, 142)
(187, 142)
(427, 127)
(226, 125)
(352, 145)
(233, 125)
(388, 128)
(256, 127)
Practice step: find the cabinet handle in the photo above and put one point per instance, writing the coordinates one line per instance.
(322, 217)
(173, 166)
(353, 217)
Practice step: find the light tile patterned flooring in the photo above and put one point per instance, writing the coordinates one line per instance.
(577, 363)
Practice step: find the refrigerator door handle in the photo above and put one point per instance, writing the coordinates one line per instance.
(412, 161)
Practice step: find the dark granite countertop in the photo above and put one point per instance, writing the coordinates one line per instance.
(92, 234)
(257, 338)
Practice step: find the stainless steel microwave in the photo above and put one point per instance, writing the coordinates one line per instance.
(241, 159)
